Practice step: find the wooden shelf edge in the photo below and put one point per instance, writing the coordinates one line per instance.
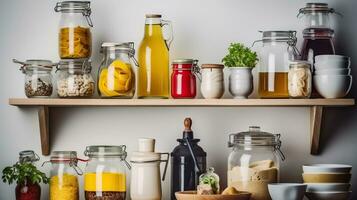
(180, 102)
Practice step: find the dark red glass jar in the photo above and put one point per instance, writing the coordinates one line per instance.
(183, 79)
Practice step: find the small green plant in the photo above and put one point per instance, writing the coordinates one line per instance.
(22, 173)
(240, 56)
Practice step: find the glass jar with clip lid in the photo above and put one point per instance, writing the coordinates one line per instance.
(64, 175)
(105, 173)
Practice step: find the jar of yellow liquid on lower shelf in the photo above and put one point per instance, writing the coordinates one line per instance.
(105, 174)
(153, 73)
(116, 77)
(64, 176)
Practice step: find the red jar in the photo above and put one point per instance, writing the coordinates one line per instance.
(183, 79)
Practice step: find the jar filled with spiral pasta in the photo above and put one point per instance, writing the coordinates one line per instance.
(300, 79)
(64, 176)
(74, 40)
(116, 77)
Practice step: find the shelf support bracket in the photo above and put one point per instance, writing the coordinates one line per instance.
(44, 122)
(315, 126)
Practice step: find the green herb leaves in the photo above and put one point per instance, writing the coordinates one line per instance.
(240, 56)
(22, 173)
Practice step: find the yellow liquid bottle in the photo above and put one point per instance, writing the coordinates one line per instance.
(153, 73)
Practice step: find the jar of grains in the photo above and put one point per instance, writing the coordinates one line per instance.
(74, 78)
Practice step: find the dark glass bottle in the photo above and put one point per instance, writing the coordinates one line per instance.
(317, 41)
(188, 162)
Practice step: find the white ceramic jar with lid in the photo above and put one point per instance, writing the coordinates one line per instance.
(253, 162)
(212, 85)
(145, 172)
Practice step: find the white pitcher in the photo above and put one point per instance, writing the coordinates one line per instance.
(145, 172)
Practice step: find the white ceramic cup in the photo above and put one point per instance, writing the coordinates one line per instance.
(287, 191)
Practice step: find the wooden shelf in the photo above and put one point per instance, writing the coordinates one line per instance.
(316, 109)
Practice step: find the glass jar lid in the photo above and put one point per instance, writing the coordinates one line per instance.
(318, 33)
(66, 157)
(126, 47)
(316, 7)
(35, 64)
(28, 156)
(184, 61)
(81, 64)
(279, 36)
(75, 7)
(254, 137)
(300, 64)
(103, 150)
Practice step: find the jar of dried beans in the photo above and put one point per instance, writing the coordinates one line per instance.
(300, 79)
(38, 78)
(75, 39)
(74, 79)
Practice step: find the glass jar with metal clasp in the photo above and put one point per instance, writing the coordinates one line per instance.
(279, 48)
(183, 78)
(105, 174)
(75, 39)
(64, 175)
(254, 161)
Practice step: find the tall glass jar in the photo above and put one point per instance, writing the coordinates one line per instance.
(105, 173)
(116, 77)
(74, 40)
(64, 176)
(253, 162)
(38, 77)
(277, 51)
(153, 73)
(74, 79)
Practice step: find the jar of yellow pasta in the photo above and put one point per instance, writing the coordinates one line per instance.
(74, 39)
(116, 77)
(105, 173)
(64, 176)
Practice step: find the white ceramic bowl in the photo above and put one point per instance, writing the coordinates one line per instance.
(328, 195)
(322, 58)
(287, 191)
(338, 64)
(328, 187)
(326, 168)
(342, 71)
(332, 86)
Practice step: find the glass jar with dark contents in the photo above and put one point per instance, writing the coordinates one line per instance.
(105, 174)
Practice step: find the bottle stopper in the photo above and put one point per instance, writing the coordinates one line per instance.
(188, 124)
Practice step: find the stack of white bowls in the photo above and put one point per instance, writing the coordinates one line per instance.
(332, 77)
(327, 181)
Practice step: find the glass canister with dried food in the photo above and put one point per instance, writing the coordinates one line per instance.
(253, 162)
(74, 79)
(105, 174)
(64, 176)
(300, 79)
(38, 77)
(275, 55)
(75, 40)
(116, 77)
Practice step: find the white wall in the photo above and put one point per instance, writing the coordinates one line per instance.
(203, 29)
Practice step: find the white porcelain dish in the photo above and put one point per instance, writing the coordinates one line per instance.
(342, 71)
(328, 195)
(322, 58)
(332, 86)
(332, 65)
(327, 168)
(328, 187)
(287, 191)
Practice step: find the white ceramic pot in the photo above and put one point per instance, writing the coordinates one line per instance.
(241, 82)
(212, 85)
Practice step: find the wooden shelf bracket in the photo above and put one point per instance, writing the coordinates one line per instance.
(315, 126)
(44, 121)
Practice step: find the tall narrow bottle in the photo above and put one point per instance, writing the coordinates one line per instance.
(153, 73)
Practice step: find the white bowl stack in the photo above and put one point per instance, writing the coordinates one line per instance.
(332, 77)
(319, 188)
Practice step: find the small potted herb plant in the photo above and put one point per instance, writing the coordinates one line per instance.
(241, 60)
(27, 177)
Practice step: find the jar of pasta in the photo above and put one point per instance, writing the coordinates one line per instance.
(105, 173)
(74, 79)
(300, 79)
(116, 77)
(75, 39)
(64, 176)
